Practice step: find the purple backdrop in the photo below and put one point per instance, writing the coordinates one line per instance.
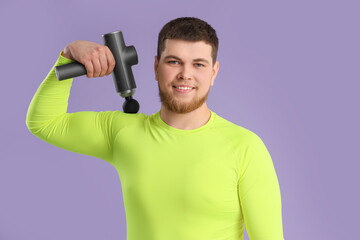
(289, 71)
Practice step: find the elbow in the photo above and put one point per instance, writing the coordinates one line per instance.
(30, 126)
(34, 125)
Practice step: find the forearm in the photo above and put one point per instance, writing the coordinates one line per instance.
(50, 99)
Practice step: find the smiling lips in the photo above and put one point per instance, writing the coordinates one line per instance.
(183, 88)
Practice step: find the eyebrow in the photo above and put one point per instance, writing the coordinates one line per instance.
(195, 60)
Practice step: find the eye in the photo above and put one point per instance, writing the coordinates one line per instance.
(173, 62)
(199, 65)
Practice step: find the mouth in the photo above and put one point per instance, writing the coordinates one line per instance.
(183, 88)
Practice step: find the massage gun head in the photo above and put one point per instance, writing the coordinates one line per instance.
(130, 105)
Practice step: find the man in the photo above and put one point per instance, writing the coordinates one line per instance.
(186, 173)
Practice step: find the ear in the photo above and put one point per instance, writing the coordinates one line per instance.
(156, 65)
(214, 72)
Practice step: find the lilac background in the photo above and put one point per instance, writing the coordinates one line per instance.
(289, 71)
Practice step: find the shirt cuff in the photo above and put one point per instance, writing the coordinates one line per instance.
(63, 60)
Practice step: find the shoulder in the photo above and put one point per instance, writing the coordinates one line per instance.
(235, 132)
(130, 116)
(121, 118)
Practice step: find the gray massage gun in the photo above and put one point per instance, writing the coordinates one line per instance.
(122, 74)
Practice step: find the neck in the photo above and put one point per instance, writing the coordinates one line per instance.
(186, 121)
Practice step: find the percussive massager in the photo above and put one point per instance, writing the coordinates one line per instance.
(125, 57)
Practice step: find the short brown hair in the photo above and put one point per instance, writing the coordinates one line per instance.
(189, 29)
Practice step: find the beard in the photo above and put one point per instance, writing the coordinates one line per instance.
(176, 106)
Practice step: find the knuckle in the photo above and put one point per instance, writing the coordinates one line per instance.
(100, 49)
(107, 49)
(93, 53)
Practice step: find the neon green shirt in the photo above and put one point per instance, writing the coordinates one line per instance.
(200, 184)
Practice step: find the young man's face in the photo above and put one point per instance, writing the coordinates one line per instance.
(185, 64)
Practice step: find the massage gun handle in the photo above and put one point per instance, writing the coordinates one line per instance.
(70, 70)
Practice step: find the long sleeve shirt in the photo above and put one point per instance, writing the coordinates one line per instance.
(201, 184)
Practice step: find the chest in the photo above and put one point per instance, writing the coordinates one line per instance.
(198, 172)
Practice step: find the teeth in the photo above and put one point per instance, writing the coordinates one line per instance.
(184, 88)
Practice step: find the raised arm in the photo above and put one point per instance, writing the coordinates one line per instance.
(259, 194)
(85, 132)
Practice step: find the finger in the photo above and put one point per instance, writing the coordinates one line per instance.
(89, 68)
(104, 64)
(111, 62)
(97, 67)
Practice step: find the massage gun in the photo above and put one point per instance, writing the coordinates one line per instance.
(125, 57)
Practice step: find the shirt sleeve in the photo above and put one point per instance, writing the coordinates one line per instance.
(259, 194)
(84, 132)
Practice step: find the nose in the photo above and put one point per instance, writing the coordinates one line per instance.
(184, 73)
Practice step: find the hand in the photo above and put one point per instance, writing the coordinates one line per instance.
(97, 59)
